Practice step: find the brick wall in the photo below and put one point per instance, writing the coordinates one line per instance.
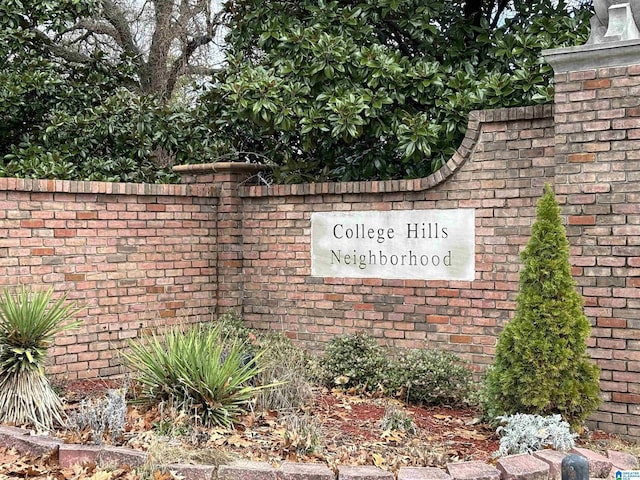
(140, 256)
(137, 257)
(586, 147)
(499, 171)
(597, 116)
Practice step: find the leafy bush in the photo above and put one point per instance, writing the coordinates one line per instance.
(523, 433)
(199, 369)
(126, 138)
(284, 367)
(29, 321)
(354, 361)
(354, 91)
(232, 327)
(430, 377)
(541, 365)
(103, 416)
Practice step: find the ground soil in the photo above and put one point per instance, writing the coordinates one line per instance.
(349, 431)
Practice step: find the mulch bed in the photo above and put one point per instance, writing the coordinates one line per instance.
(349, 427)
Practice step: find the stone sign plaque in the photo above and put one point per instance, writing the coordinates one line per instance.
(400, 244)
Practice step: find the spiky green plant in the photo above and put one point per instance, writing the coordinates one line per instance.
(29, 321)
(198, 368)
(541, 364)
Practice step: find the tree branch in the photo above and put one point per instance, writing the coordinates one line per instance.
(91, 26)
(56, 50)
(201, 70)
(180, 64)
(123, 37)
(402, 37)
(502, 5)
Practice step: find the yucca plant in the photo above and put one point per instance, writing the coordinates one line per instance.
(29, 321)
(197, 368)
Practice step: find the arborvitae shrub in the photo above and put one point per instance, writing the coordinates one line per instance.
(541, 365)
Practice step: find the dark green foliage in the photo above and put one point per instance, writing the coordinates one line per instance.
(376, 90)
(541, 364)
(83, 121)
(430, 377)
(354, 361)
(427, 377)
(327, 90)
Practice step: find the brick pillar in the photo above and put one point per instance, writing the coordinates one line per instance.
(597, 180)
(227, 177)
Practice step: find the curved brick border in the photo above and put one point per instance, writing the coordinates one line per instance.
(542, 465)
(459, 158)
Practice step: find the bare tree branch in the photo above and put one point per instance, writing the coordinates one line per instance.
(162, 37)
(201, 70)
(179, 65)
(116, 17)
(502, 5)
(69, 55)
(88, 25)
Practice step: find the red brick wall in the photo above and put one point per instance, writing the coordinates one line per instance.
(137, 257)
(587, 148)
(597, 116)
(499, 171)
(142, 256)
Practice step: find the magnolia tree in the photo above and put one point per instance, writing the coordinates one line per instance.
(92, 89)
(80, 99)
(377, 90)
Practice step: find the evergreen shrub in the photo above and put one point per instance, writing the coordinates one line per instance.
(354, 361)
(541, 365)
(416, 376)
(430, 377)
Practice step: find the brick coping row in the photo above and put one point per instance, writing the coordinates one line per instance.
(476, 118)
(461, 155)
(541, 465)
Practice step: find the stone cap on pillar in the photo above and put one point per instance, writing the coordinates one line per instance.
(593, 56)
(614, 40)
(215, 171)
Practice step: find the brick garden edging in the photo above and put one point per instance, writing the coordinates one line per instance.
(542, 465)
